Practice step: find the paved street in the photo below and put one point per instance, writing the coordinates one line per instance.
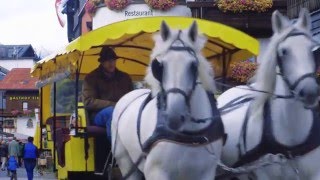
(22, 175)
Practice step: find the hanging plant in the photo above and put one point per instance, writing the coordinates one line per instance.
(90, 8)
(117, 4)
(27, 112)
(92, 5)
(161, 4)
(243, 71)
(244, 5)
(15, 112)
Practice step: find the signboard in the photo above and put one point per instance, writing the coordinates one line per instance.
(105, 16)
(12, 98)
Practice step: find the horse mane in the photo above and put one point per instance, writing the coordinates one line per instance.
(265, 77)
(205, 70)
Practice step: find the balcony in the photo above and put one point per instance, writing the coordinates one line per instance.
(253, 23)
(294, 6)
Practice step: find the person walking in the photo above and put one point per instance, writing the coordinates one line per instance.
(13, 148)
(12, 167)
(21, 146)
(3, 154)
(30, 155)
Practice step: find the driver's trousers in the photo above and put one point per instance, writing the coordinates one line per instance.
(103, 119)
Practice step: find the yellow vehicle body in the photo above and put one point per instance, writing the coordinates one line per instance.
(80, 57)
(74, 153)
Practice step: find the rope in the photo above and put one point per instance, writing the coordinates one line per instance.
(266, 160)
(256, 90)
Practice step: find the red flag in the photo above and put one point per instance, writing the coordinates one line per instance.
(59, 6)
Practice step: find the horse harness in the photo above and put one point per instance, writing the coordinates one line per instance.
(162, 132)
(269, 145)
(213, 132)
(292, 86)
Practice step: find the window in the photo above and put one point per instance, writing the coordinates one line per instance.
(65, 96)
(25, 106)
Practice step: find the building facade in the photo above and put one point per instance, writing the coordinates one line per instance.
(294, 7)
(17, 56)
(19, 99)
(82, 19)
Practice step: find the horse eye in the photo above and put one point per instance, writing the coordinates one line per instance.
(283, 52)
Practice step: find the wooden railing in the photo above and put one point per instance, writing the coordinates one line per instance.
(294, 6)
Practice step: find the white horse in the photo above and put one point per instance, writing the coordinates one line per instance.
(175, 140)
(283, 117)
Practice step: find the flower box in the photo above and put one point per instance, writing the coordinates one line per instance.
(244, 5)
(242, 71)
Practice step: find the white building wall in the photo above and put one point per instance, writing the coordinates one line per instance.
(105, 16)
(22, 128)
(17, 63)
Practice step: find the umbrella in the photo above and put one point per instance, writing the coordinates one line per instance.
(132, 42)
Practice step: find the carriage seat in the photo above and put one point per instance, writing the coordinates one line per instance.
(86, 118)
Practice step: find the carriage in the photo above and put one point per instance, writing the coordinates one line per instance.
(79, 148)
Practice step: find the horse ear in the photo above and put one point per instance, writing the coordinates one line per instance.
(279, 22)
(164, 31)
(304, 19)
(193, 31)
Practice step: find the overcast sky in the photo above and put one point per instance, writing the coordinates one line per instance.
(31, 22)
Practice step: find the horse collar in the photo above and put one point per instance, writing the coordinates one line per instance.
(162, 132)
(269, 144)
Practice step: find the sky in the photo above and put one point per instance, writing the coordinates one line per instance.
(32, 22)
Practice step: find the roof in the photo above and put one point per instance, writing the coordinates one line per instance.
(3, 72)
(132, 42)
(17, 52)
(18, 79)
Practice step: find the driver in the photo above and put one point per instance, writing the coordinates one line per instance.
(103, 87)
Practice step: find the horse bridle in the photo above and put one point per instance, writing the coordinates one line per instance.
(292, 86)
(163, 93)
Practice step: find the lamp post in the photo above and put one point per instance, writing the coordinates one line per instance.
(2, 109)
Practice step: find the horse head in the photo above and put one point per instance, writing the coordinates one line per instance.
(175, 71)
(293, 54)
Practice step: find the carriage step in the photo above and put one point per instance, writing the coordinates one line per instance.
(98, 173)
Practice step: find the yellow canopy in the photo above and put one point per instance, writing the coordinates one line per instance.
(132, 41)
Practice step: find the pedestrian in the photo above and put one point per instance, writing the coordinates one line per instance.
(30, 155)
(21, 146)
(13, 148)
(12, 167)
(3, 154)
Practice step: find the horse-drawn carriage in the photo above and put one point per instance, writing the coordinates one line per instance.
(177, 69)
(81, 150)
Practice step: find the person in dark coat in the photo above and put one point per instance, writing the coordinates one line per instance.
(30, 155)
(3, 154)
(21, 146)
(103, 87)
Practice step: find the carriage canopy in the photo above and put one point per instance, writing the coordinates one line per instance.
(132, 41)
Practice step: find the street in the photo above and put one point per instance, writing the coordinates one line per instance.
(22, 175)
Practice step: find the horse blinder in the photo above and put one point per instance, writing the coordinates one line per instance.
(316, 54)
(157, 70)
